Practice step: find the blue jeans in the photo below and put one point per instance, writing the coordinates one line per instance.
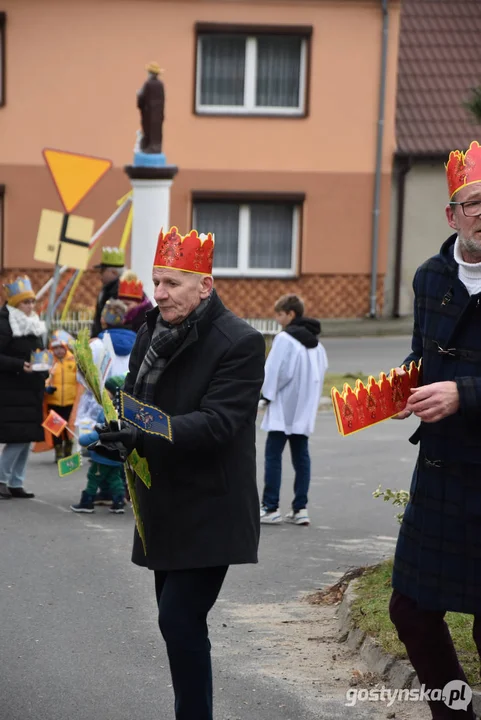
(12, 464)
(301, 461)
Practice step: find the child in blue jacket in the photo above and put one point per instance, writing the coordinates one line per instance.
(103, 471)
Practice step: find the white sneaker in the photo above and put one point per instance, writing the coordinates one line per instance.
(270, 517)
(298, 518)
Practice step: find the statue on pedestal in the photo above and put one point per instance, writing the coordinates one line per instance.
(151, 101)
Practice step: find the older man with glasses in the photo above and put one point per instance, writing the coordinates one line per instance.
(437, 565)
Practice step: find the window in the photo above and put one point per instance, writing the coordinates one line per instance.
(3, 20)
(253, 238)
(241, 71)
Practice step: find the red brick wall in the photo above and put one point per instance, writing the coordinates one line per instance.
(324, 295)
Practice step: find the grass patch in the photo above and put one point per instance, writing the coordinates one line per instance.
(370, 612)
(337, 380)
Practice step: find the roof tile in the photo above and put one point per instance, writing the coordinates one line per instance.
(439, 62)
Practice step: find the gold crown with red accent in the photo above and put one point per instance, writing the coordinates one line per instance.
(366, 405)
(130, 287)
(463, 168)
(192, 253)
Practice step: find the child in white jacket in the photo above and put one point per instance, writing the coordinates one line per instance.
(294, 376)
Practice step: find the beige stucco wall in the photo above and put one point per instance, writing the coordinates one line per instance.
(73, 69)
(425, 227)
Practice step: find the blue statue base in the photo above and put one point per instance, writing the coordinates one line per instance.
(155, 160)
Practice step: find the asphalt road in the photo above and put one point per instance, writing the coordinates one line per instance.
(370, 355)
(78, 633)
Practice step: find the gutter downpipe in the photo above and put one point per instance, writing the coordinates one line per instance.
(376, 212)
(405, 164)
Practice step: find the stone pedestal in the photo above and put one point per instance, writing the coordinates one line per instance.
(151, 208)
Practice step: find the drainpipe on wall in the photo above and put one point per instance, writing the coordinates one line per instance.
(404, 166)
(378, 175)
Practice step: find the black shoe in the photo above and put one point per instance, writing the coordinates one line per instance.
(5, 493)
(118, 506)
(20, 493)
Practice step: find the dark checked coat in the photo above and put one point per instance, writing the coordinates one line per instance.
(203, 508)
(438, 554)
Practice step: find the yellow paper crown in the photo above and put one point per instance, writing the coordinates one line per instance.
(113, 257)
(154, 68)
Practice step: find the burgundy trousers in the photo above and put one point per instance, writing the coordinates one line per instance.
(430, 649)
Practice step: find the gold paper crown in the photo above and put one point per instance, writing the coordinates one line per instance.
(363, 406)
(154, 68)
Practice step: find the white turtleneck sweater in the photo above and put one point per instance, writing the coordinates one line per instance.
(468, 273)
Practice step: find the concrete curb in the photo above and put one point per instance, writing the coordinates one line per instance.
(395, 672)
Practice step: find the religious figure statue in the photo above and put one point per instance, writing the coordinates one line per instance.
(150, 101)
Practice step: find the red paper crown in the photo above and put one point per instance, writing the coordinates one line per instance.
(192, 253)
(463, 168)
(130, 290)
(379, 400)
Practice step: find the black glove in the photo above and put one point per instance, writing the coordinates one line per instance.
(114, 443)
(50, 389)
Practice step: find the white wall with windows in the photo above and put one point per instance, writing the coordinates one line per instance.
(253, 239)
(261, 74)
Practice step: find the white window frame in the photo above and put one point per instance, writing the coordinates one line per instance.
(249, 107)
(243, 269)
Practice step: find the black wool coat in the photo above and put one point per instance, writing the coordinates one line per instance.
(21, 393)
(438, 554)
(203, 507)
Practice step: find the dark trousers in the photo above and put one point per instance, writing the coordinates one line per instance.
(184, 598)
(64, 411)
(431, 650)
(301, 461)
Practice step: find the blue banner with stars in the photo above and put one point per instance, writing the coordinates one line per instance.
(148, 418)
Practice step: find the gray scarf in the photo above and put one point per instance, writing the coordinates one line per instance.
(165, 341)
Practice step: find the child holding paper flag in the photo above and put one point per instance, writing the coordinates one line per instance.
(61, 390)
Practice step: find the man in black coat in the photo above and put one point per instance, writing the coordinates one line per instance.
(111, 268)
(203, 366)
(437, 566)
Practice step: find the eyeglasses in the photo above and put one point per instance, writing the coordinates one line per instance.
(472, 208)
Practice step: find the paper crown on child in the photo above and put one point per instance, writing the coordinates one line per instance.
(191, 253)
(41, 359)
(379, 400)
(463, 168)
(61, 337)
(19, 290)
(130, 287)
(113, 313)
(112, 257)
